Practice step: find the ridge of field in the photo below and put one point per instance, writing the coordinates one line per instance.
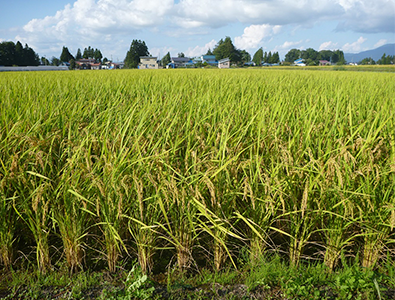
(196, 164)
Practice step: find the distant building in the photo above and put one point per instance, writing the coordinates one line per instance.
(96, 66)
(224, 63)
(249, 64)
(148, 62)
(299, 62)
(179, 62)
(85, 63)
(34, 68)
(210, 59)
(112, 65)
(324, 63)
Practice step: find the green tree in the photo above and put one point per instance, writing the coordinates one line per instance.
(209, 52)
(97, 55)
(310, 53)
(338, 57)
(181, 54)
(166, 59)
(310, 62)
(292, 55)
(30, 58)
(88, 53)
(265, 58)
(45, 61)
(15, 54)
(78, 56)
(19, 55)
(245, 56)
(386, 60)
(55, 61)
(225, 48)
(269, 57)
(66, 56)
(325, 55)
(367, 61)
(258, 57)
(7, 54)
(72, 64)
(137, 48)
(275, 58)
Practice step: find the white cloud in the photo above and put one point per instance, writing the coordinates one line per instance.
(221, 12)
(354, 47)
(104, 23)
(92, 21)
(380, 43)
(288, 45)
(328, 46)
(367, 16)
(200, 50)
(254, 34)
(160, 52)
(355, 15)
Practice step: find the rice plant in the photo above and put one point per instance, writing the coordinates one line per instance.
(196, 163)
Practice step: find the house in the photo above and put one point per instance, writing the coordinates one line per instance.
(324, 63)
(210, 59)
(113, 66)
(179, 62)
(224, 63)
(299, 62)
(85, 63)
(249, 64)
(96, 66)
(148, 62)
(120, 65)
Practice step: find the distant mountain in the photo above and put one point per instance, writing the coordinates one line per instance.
(376, 54)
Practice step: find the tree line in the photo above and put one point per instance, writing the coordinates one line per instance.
(16, 54)
(312, 57)
(384, 60)
(265, 58)
(223, 49)
(12, 54)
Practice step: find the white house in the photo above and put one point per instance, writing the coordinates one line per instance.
(299, 62)
(224, 63)
(148, 62)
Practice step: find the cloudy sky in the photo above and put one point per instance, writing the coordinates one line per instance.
(193, 26)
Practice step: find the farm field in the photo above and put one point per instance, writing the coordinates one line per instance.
(186, 170)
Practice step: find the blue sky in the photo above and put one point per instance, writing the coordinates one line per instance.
(193, 26)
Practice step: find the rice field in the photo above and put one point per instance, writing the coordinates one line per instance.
(193, 168)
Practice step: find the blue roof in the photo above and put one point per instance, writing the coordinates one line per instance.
(208, 57)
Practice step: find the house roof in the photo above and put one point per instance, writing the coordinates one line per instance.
(208, 57)
(224, 60)
(180, 59)
(86, 60)
(148, 57)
